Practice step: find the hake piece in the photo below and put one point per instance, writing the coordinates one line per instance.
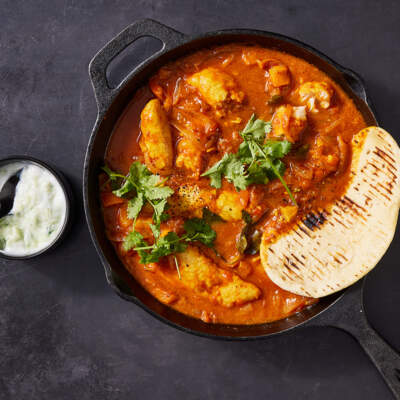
(316, 95)
(216, 87)
(200, 274)
(156, 140)
(289, 122)
(333, 248)
(230, 204)
(198, 134)
(190, 198)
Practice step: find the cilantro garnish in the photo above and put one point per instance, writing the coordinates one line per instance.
(114, 178)
(141, 186)
(135, 205)
(196, 229)
(257, 160)
(199, 230)
(134, 239)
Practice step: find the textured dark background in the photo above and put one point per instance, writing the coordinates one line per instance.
(63, 333)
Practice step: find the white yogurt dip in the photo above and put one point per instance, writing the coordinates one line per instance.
(38, 214)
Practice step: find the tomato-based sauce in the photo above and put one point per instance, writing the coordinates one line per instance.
(203, 102)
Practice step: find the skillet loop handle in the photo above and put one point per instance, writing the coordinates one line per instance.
(349, 315)
(169, 37)
(355, 82)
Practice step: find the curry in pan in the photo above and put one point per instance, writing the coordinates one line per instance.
(225, 149)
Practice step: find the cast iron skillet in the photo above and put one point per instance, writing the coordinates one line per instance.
(348, 314)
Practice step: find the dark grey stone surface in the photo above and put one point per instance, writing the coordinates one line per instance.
(63, 332)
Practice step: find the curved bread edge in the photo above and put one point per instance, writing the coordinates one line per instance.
(332, 249)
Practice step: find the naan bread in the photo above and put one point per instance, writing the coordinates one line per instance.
(334, 248)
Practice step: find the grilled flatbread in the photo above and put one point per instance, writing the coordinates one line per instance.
(333, 248)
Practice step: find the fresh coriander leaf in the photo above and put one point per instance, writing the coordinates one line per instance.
(156, 230)
(256, 129)
(157, 192)
(218, 166)
(164, 216)
(159, 208)
(171, 242)
(268, 127)
(217, 170)
(135, 205)
(125, 188)
(138, 171)
(148, 180)
(240, 182)
(216, 180)
(244, 153)
(168, 244)
(249, 124)
(159, 216)
(198, 230)
(2, 243)
(142, 180)
(193, 226)
(133, 240)
(276, 148)
(255, 161)
(257, 173)
(265, 164)
(277, 166)
(148, 183)
(147, 187)
(235, 173)
(234, 167)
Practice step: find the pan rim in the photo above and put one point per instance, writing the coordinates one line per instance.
(193, 40)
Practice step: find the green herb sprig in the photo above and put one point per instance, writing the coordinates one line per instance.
(141, 186)
(257, 160)
(196, 229)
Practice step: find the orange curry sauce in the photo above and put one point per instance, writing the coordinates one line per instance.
(305, 106)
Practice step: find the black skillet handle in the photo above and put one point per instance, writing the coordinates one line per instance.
(98, 65)
(348, 314)
(355, 82)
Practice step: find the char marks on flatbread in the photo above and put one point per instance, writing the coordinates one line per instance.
(331, 249)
